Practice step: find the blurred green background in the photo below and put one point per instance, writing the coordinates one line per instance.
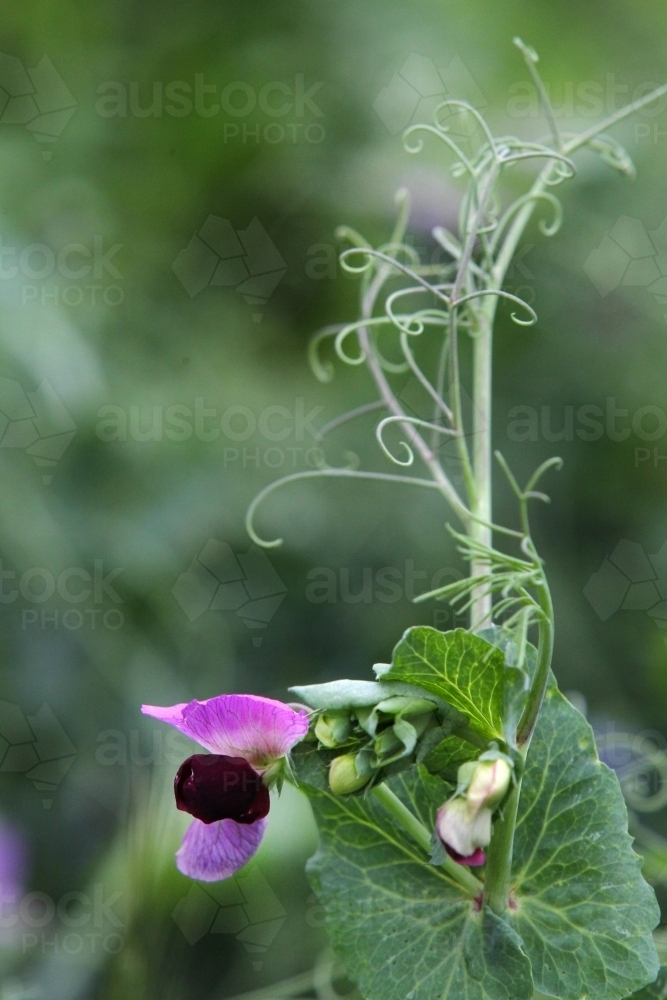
(143, 122)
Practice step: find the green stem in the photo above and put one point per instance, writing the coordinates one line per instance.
(541, 679)
(420, 834)
(499, 854)
(480, 612)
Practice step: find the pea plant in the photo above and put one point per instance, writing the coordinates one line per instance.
(472, 845)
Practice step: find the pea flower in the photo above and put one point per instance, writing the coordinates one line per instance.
(464, 822)
(462, 835)
(226, 789)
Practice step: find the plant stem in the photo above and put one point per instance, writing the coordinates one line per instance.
(480, 495)
(499, 854)
(538, 687)
(440, 477)
(391, 802)
(480, 611)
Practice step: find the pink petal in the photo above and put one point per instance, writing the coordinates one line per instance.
(474, 860)
(238, 725)
(211, 852)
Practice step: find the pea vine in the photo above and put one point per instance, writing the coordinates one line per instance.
(471, 842)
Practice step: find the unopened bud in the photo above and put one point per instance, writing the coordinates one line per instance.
(332, 729)
(461, 832)
(488, 785)
(344, 777)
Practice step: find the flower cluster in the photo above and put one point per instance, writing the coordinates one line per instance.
(226, 790)
(375, 730)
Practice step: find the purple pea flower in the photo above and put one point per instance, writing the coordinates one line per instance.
(224, 790)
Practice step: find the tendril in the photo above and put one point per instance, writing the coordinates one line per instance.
(416, 321)
(323, 370)
(370, 252)
(417, 146)
(322, 473)
(418, 422)
(338, 345)
(394, 367)
(344, 418)
(469, 109)
(548, 230)
(437, 398)
(505, 295)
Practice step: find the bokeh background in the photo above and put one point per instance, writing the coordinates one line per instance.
(153, 380)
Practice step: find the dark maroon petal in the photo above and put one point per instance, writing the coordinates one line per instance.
(474, 860)
(212, 787)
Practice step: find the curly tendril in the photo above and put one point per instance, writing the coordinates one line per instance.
(504, 295)
(526, 199)
(322, 473)
(418, 422)
(323, 370)
(392, 283)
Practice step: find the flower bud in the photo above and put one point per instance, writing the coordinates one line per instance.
(462, 834)
(488, 785)
(332, 729)
(344, 777)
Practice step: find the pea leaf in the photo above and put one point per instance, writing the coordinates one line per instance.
(583, 910)
(310, 764)
(403, 929)
(654, 991)
(463, 669)
(445, 758)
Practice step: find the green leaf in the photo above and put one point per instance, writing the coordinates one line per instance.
(310, 764)
(463, 669)
(583, 910)
(654, 991)
(343, 694)
(446, 758)
(401, 926)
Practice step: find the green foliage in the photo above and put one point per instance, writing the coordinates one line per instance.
(401, 926)
(446, 758)
(463, 669)
(656, 990)
(584, 912)
(580, 913)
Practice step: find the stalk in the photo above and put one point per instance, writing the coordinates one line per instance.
(460, 874)
(499, 854)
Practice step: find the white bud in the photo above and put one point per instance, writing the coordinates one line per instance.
(461, 831)
(488, 785)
